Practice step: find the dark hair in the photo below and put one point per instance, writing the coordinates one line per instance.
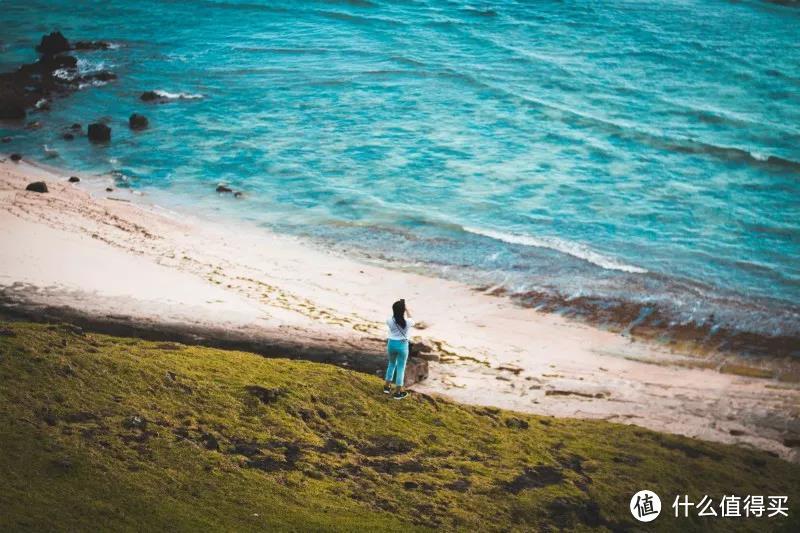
(399, 311)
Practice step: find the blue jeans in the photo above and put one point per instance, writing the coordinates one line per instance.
(398, 355)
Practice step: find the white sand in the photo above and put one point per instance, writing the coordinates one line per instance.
(96, 254)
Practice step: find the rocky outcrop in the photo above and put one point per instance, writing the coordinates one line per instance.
(91, 45)
(150, 96)
(99, 133)
(32, 86)
(53, 44)
(138, 122)
(37, 186)
(416, 371)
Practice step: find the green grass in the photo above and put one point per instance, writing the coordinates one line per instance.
(328, 452)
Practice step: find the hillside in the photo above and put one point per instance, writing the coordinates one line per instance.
(105, 433)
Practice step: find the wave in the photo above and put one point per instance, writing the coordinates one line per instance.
(574, 249)
(177, 96)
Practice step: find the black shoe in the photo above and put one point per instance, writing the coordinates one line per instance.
(399, 395)
(387, 389)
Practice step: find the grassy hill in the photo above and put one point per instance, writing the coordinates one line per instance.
(105, 433)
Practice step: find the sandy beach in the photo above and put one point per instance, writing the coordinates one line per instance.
(78, 250)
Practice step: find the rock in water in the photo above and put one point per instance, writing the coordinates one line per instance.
(53, 44)
(37, 186)
(12, 110)
(223, 188)
(68, 136)
(16, 158)
(92, 45)
(74, 179)
(99, 133)
(150, 96)
(138, 122)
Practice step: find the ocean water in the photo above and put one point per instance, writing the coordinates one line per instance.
(637, 160)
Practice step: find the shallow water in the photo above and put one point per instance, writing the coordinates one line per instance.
(642, 154)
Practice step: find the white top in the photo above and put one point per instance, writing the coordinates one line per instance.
(396, 333)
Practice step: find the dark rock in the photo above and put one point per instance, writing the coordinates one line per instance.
(99, 133)
(223, 188)
(134, 422)
(12, 110)
(75, 127)
(210, 441)
(103, 75)
(423, 351)
(6, 139)
(416, 371)
(238, 194)
(68, 136)
(37, 186)
(109, 189)
(36, 84)
(74, 179)
(266, 395)
(138, 122)
(150, 96)
(53, 44)
(516, 423)
(92, 45)
(791, 442)
(15, 157)
(5, 332)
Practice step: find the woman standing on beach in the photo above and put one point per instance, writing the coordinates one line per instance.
(400, 324)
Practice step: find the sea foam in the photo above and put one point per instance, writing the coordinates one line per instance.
(581, 251)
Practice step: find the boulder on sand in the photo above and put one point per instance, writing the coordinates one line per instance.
(416, 371)
(74, 179)
(37, 186)
(99, 132)
(53, 44)
(15, 158)
(138, 122)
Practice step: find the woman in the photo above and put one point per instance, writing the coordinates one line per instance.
(397, 349)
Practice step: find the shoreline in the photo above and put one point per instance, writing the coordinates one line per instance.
(94, 256)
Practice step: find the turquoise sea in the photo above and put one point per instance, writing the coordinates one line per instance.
(630, 161)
